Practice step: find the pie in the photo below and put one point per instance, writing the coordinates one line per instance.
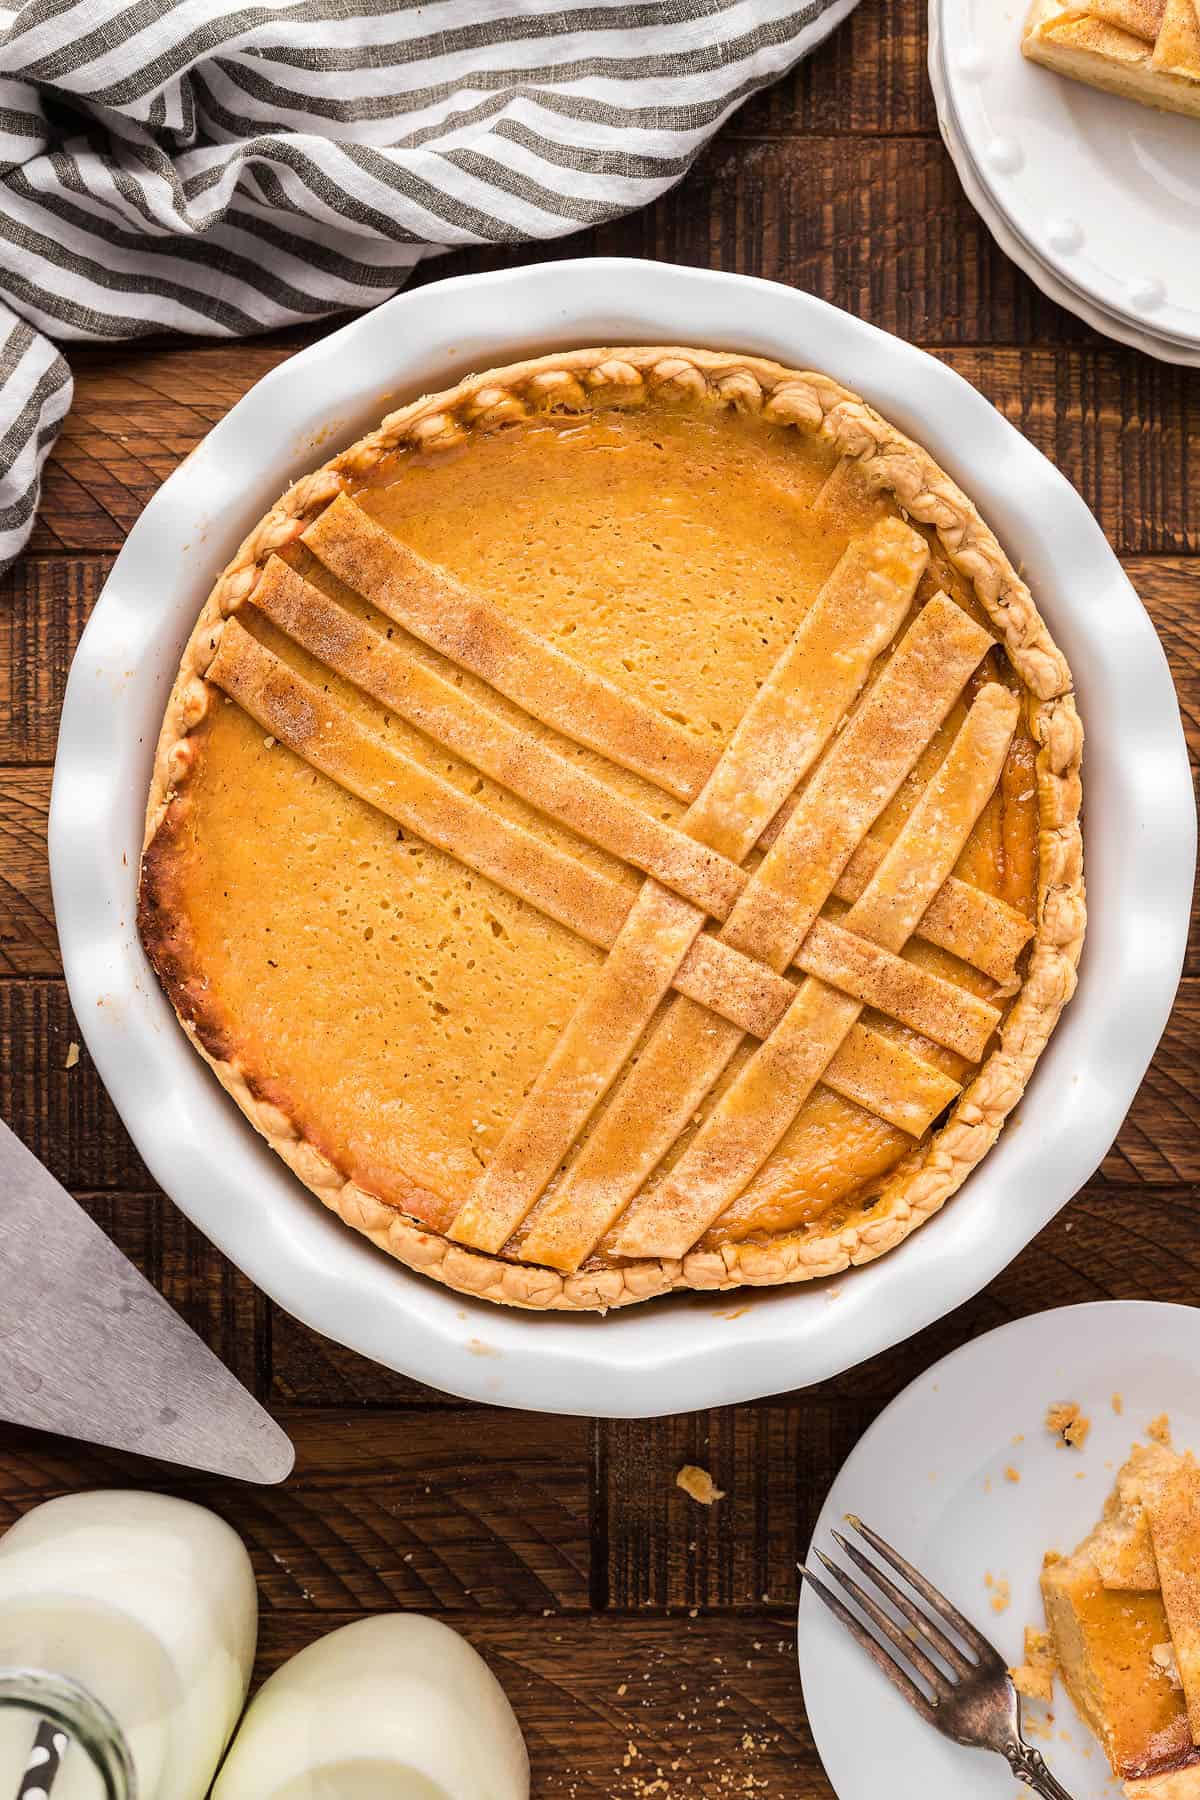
(616, 829)
(1147, 50)
(1123, 1613)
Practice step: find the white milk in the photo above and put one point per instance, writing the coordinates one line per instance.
(393, 1708)
(149, 1604)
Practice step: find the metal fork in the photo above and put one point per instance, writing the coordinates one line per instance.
(968, 1695)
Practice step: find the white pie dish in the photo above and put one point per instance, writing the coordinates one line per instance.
(677, 1354)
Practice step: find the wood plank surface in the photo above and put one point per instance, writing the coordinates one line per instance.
(647, 1643)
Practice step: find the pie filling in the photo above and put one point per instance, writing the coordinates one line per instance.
(1123, 1612)
(612, 835)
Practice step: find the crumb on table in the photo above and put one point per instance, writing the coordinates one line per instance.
(1159, 1430)
(1065, 1419)
(1118, 1404)
(72, 1055)
(1011, 1474)
(698, 1484)
(1035, 1676)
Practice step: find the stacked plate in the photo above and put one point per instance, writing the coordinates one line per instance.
(1096, 198)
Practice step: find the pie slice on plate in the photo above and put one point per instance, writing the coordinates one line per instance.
(1146, 50)
(1123, 1613)
(616, 829)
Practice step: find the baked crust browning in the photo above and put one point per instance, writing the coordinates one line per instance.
(1143, 50)
(401, 1215)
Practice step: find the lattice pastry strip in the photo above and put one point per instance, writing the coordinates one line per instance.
(756, 998)
(300, 715)
(478, 635)
(689, 1050)
(427, 601)
(468, 629)
(1177, 47)
(515, 758)
(545, 779)
(975, 926)
(305, 719)
(793, 715)
(767, 1093)
(886, 1078)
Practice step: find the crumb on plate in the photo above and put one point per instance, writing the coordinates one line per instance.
(1159, 1430)
(1001, 1591)
(1066, 1420)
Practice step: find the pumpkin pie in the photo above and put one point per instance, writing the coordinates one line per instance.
(1146, 50)
(616, 829)
(1123, 1613)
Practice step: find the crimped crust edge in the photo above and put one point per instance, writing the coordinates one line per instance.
(923, 1183)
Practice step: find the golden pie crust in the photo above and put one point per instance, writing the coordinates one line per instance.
(615, 829)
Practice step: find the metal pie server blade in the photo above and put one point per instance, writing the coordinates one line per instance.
(89, 1349)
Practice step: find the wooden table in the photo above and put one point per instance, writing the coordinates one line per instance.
(635, 1631)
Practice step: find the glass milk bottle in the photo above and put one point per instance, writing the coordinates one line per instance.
(129, 1621)
(397, 1707)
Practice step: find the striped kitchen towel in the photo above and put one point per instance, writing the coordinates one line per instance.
(217, 168)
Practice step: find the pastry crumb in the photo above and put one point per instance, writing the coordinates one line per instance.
(1066, 1420)
(1159, 1430)
(699, 1485)
(1011, 1474)
(1163, 1658)
(268, 743)
(1001, 1592)
(1118, 1404)
(1035, 1676)
(72, 1055)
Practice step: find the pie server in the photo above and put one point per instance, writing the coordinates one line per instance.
(88, 1348)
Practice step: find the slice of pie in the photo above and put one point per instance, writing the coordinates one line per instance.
(1146, 50)
(616, 828)
(1123, 1613)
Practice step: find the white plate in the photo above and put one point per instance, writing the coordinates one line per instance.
(1100, 194)
(930, 1477)
(673, 1354)
(1166, 349)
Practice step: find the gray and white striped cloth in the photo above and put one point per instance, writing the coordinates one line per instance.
(207, 167)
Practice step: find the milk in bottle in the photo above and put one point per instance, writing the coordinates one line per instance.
(131, 1620)
(397, 1707)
